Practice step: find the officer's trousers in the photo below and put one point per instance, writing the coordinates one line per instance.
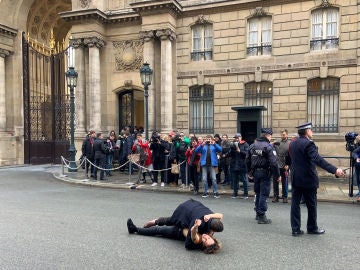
(311, 204)
(262, 185)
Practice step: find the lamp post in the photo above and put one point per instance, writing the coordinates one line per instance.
(146, 77)
(71, 80)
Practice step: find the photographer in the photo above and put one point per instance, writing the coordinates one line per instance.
(238, 151)
(209, 161)
(158, 148)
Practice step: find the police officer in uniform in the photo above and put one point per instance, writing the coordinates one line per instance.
(304, 157)
(261, 165)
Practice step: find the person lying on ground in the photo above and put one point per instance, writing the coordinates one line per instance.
(193, 239)
(185, 215)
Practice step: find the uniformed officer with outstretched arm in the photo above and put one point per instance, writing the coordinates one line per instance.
(303, 157)
(261, 165)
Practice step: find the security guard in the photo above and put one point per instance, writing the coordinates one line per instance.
(304, 157)
(261, 166)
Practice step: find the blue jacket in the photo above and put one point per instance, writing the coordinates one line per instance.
(304, 157)
(214, 148)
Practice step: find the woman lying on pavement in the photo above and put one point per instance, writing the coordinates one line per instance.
(193, 239)
(185, 215)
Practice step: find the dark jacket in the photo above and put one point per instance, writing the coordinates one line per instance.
(304, 157)
(100, 148)
(237, 163)
(87, 147)
(261, 155)
(187, 212)
(158, 149)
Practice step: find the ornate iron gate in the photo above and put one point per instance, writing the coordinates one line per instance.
(46, 104)
(126, 109)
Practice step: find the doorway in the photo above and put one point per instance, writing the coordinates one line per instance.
(248, 130)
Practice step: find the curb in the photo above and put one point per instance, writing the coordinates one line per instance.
(98, 184)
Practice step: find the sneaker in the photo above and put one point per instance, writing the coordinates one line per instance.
(216, 195)
(245, 197)
(191, 187)
(182, 186)
(162, 184)
(234, 196)
(205, 195)
(154, 184)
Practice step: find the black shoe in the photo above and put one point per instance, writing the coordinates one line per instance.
(318, 231)
(264, 220)
(297, 233)
(131, 226)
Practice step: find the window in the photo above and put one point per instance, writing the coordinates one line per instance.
(323, 104)
(201, 102)
(260, 94)
(202, 39)
(259, 36)
(324, 32)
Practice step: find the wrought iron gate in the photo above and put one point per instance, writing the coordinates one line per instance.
(126, 109)
(46, 104)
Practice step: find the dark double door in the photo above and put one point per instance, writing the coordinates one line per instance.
(46, 105)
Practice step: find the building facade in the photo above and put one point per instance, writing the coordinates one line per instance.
(219, 67)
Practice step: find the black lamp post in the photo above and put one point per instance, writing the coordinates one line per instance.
(146, 77)
(71, 80)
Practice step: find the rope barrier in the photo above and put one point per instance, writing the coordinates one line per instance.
(66, 162)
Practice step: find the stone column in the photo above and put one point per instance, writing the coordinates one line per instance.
(3, 54)
(80, 91)
(149, 56)
(94, 44)
(167, 92)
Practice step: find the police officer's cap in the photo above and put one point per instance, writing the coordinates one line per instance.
(304, 126)
(266, 131)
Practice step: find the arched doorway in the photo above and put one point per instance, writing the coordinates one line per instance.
(46, 97)
(131, 108)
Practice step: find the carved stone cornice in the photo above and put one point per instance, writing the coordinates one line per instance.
(4, 53)
(8, 31)
(157, 6)
(166, 34)
(77, 43)
(110, 17)
(94, 42)
(146, 36)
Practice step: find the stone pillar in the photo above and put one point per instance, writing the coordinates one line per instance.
(149, 56)
(3, 54)
(94, 45)
(80, 91)
(167, 92)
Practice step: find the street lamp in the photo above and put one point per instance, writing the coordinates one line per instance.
(146, 77)
(71, 80)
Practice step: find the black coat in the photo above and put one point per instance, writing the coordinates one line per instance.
(186, 213)
(87, 147)
(304, 157)
(100, 148)
(237, 162)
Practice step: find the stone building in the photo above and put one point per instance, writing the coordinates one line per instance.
(219, 67)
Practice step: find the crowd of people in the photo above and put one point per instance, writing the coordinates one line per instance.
(173, 157)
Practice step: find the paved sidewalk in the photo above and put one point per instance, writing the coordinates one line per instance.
(331, 189)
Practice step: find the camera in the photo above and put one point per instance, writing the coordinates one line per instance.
(350, 141)
(155, 138)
